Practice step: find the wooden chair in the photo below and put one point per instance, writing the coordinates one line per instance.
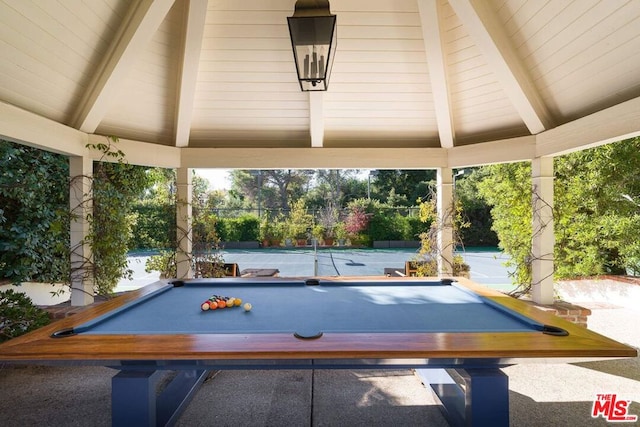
(410, 269)
(231, 270)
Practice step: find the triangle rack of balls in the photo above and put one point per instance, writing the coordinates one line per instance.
(219, 301)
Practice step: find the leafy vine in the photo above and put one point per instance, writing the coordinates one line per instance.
(106, 206)
(426, 261)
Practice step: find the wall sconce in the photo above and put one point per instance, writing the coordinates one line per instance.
(313, 38)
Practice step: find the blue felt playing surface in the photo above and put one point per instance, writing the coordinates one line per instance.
(335, 308)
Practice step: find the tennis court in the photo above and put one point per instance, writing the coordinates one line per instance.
(486, 264)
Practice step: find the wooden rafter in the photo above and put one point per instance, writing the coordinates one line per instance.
(194, 20)
(488, 33)
(432, 34)
(136, 30)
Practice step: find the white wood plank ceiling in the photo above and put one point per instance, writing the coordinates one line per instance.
(432, 77)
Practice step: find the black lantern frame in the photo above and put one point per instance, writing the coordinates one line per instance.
(313, 38)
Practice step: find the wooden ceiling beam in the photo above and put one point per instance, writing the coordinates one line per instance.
(500, 151)
(432, 35)
(488, 32)
(194, 21)
(313, 158)
(136, 30)
(30, 129)
(622, 121)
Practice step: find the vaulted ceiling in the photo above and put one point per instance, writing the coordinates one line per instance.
(426, 82)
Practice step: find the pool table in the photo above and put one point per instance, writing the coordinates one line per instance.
(455, 333)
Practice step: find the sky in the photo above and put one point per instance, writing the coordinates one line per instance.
(218, 178)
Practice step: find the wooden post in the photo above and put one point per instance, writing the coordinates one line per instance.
(184, 223)
(80, 202)
(445, 221)
(543, 240)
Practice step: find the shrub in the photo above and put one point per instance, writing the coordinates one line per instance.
(242, 229)
(382, 221)
(18, 315)
(34, 217)
(164, 262)
(388, 226)
(207, 229)
(415, 227)
(299, 221)
(155, 227)
(357, 220)
(428, 267)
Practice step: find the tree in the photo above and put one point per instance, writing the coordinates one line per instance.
(328, 192)
(404, 187)
(507, 189)
(204, 234)
(290, 184)
(275, 189)
(597, 218)
(334, 187)
(300, 221)
(474, 210)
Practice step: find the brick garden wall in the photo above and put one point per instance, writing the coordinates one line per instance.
(571, 312)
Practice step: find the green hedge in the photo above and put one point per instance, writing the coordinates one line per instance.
(242, 229)
(34, 214)
(155, 226)
(395, 226)
(416, 227)
(391, 227)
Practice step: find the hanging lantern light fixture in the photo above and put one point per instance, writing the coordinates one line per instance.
(313, 38)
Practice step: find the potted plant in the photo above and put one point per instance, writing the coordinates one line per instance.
(266, 231)
(300, 222)
(317, 232)
(328, 218)
(302, 237)
(328, 238)
(341, 233)
(279, 231)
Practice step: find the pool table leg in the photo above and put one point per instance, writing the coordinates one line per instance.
(470, 397)
(134, 401)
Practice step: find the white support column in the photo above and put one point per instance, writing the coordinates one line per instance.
(543, 240)
(184, 223)
(316, 118)
(81, 258)
(445, 221)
